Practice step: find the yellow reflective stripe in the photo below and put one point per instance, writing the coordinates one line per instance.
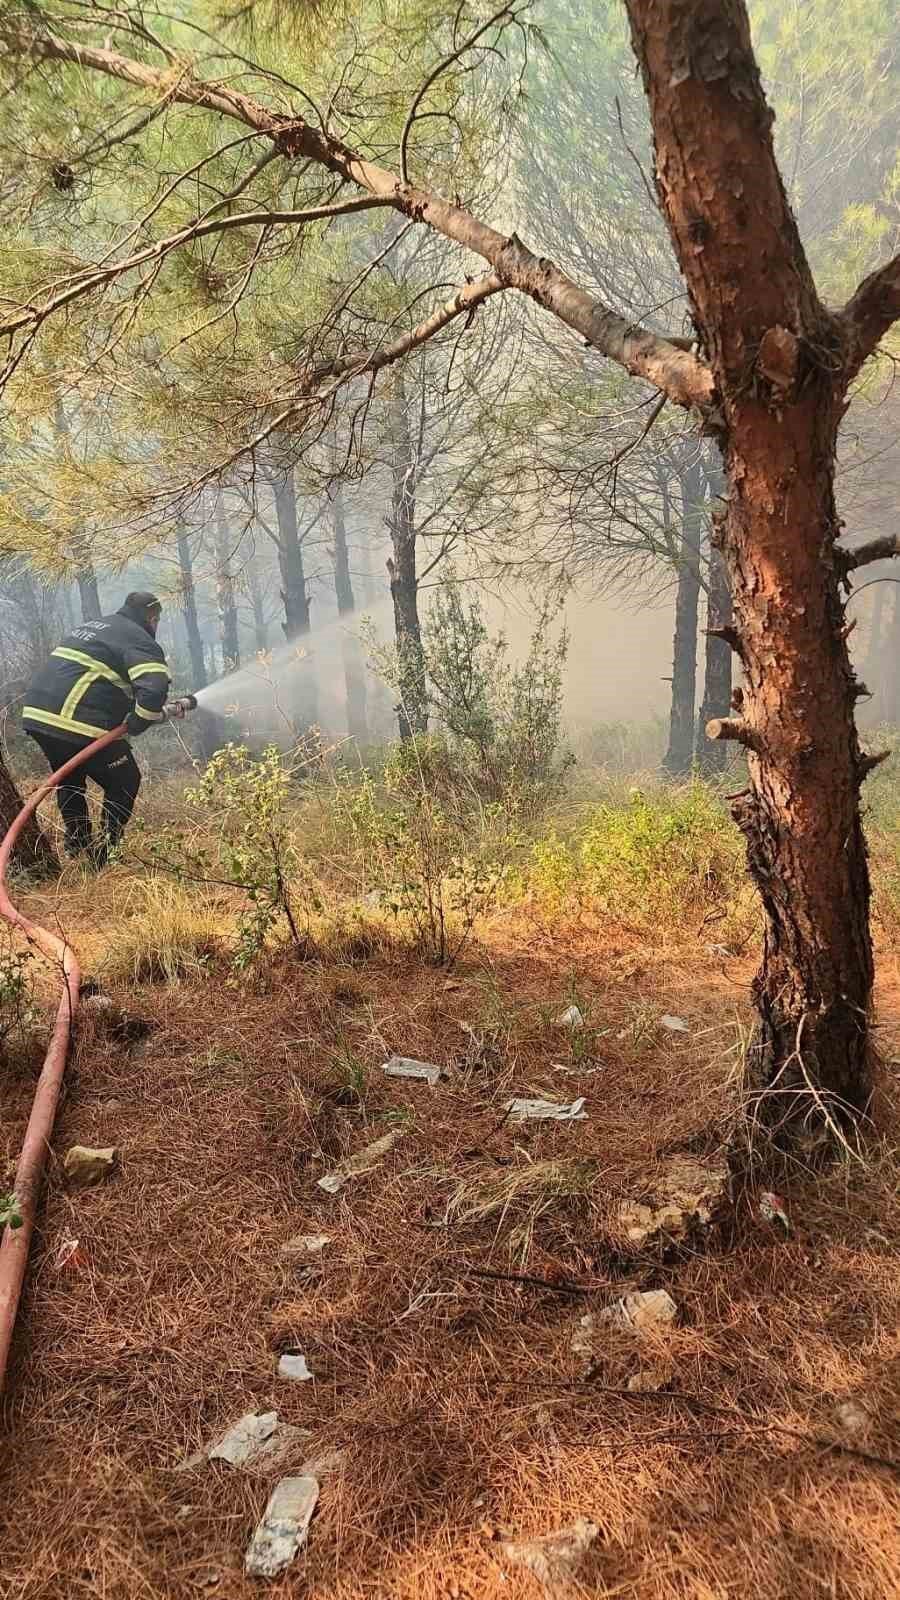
(149, 716)
(35, 714)
(147, 666)
(78, 691)
(98, 667)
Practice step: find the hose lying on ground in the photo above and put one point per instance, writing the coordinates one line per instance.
(15, 1243)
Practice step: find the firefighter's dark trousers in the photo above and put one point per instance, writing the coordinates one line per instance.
(118, 775)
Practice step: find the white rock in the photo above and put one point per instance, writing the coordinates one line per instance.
(283, 1529)
(674, 1024)
(571, 1018)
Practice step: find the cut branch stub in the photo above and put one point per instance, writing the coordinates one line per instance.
(733, 728)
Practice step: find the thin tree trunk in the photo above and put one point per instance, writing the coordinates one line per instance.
(294, 594)
(412, 710)
(33, 850)
(680, 754)
(892, 683)
(88, 590)
(193, 635)
(228, 617)
(290, 558)
(354, 667)
(873, 671)
(712, 754)
(258, 603)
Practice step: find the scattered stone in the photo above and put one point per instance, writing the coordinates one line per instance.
(283, 1529)
(293, 1365)
(853, 1418)
(648, 1308)
(555, 1558)
(405, 1067)
(546, 1111)
(651, 1378)
(571, 1018)
(362, 1162)
(83, 1166)
(772, 1209)
(686, 1193)
(305, 1244)
(674, 1024)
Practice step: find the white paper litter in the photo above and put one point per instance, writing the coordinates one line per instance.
(283, 1528)
(244, 1438)
(674, 1024)
(293, 1365)
(406, 1067)
(547, 1111)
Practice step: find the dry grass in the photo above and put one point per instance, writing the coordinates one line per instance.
(457, 1399)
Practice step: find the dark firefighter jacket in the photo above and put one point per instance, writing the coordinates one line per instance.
(104, 673)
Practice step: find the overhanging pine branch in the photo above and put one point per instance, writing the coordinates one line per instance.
(868, 315)
(676, 371)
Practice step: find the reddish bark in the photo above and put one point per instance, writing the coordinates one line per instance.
(780, 363)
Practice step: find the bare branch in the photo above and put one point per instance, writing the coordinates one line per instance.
(681, 375)
(868, 315)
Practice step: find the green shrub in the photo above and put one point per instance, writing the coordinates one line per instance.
(659, 853)
(436, 865)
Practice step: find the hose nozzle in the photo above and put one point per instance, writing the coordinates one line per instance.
(176, 709)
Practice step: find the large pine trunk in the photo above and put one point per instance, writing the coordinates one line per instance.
(801, 815)
(412, 708)
(680, 753)
(354, 667)
(780, 361)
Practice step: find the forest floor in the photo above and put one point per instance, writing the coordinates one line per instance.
(716, 1454)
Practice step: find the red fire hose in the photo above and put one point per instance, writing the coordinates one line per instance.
(30, 1171)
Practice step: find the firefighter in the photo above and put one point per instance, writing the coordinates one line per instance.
(104, 673)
